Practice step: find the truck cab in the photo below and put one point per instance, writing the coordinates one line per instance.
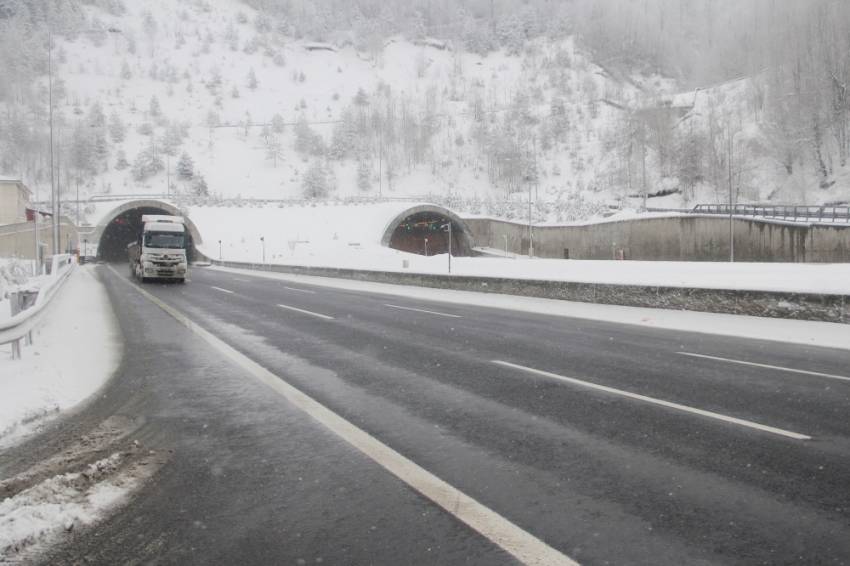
(160, 251)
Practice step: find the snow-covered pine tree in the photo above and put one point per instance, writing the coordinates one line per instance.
(185, 167)
(252, 79)
(199, 186)
(154, 107)
(274, 150)
(171, 140)
(121, 162)
(117, 130)
(361, 99)
(344, 137)
(364, 175)
(308, 141)
(147, 163)
(96, 117)
(100, 148)
(212, 119)
(315, 184)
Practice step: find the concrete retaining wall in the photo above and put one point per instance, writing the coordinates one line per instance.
(675, 238)
(829, 308)
(16, 240)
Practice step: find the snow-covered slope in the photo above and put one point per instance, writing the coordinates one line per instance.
(261, 115)
(208, 64)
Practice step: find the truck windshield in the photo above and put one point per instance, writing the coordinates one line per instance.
(170, 240)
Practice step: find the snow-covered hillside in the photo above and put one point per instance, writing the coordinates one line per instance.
(202, 79)
(211, 98)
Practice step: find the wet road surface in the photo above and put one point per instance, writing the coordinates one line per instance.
(610, 443)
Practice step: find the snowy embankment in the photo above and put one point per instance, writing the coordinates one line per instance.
(349, 237)
(15, 275)
(73, 354)
(75, 351)
(810, 333)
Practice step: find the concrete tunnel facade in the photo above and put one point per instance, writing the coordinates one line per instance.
(419, 229)
(423, 230)
(122, 224)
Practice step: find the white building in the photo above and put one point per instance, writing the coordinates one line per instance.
(15, 197)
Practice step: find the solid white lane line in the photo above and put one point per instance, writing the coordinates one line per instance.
(423, 310)
(521, 544)
(302, 311)
(661, 402)
(300, 290)
(780, 368)
(222, 290)
(241, 279)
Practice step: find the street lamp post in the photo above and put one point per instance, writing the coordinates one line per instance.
(263, 243)
(53, 195)
(219, 250)
(505, 236)
(426, 247)
(54, 190)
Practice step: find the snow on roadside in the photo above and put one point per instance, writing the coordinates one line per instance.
(810, 333)
(74, 353)
(14, 275)
(348, 236)
(60, 503)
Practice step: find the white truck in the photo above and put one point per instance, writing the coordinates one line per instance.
(160, 250)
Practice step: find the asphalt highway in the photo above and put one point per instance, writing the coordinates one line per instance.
(609, 443)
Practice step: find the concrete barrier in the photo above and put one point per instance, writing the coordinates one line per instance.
(800, 306)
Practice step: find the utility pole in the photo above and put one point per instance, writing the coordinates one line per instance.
(448, 227)
(530, 229)
(380, 161)
(54, 188)
(729, 141)
(37, 265)
(54, 194)
(78, 201)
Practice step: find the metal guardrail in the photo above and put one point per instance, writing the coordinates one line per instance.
(796, 213)
(20, 326)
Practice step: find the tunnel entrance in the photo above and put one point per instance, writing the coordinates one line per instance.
(125, 228)
(425, 233)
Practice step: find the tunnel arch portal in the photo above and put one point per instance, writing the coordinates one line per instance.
(121, 227)
(422, 230)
